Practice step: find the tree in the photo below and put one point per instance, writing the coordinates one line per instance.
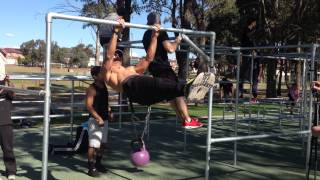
(34, 51)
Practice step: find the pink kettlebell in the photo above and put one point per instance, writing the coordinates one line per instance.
(139, 154)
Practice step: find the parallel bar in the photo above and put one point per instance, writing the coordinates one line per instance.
(238, 138)
(60, 78)
(51, 116)
(195, 47)
(24, 91)
(22, 102)
(268, 47)
(131, 25)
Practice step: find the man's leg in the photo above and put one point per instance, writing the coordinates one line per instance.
(92, 162)
(181, 108)
(173, 104)
(255, 89)
(95, 136)
(7, 147)
(100, 151)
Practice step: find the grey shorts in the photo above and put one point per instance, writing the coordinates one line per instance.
(97, 135)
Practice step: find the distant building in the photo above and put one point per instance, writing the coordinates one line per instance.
(92, 60)
(11, 55)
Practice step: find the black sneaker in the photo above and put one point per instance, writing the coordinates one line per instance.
(93, 172)
(101, 168)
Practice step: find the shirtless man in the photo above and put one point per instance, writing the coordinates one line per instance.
(142, 89)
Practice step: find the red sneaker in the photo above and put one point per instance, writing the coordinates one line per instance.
(194, 123)
(254, 100)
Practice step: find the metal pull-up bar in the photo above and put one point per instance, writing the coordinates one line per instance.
(52, 15)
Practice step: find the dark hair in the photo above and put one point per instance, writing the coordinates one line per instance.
(119, 52)
(2, 82)
(95, 70)
(153, 18)
(250, 20)
(121, 11)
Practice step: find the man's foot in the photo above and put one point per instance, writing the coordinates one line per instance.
(194, 123)
(93, 172)
(101, 168)
(11, 177)
(201, 85)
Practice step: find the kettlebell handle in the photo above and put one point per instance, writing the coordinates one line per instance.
(140, 142)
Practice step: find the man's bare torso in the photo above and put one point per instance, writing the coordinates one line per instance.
(117, 73)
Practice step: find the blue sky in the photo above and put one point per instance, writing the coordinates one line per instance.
(22, 21)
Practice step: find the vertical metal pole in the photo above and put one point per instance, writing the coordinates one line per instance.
(71, 110)
(208, 150)
(120, 110)
(251, 80)
(304, 84)
(313, 52)
(47, 100)
(251, 94)
(237, 108)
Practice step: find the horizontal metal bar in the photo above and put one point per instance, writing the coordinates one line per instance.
(60, 78)
(267, 47)
(24, 91)
(21, 102)
(77, 115)
(227, 139)
(53, 15)
(51, 116)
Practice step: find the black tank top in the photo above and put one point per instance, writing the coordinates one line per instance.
(100, 102)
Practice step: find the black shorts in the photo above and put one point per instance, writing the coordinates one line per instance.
(104, 40)
(147, 90)
(162, 71)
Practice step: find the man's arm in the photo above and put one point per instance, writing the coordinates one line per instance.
(172, 46)
(144, 63)
(113, 44)
(91, 93)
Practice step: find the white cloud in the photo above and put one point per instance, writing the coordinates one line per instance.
(9, 34)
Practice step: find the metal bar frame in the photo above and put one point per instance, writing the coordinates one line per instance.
(49, 18)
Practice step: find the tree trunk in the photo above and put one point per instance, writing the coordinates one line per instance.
(298, 67)
(271, 91)
(185, 23)
(97, 54)
(203, 65)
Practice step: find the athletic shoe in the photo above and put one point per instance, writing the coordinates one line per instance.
(254, 100)
(12, 177)
(93, 172)
(201, 85)
(194, 123)
(101, 168)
